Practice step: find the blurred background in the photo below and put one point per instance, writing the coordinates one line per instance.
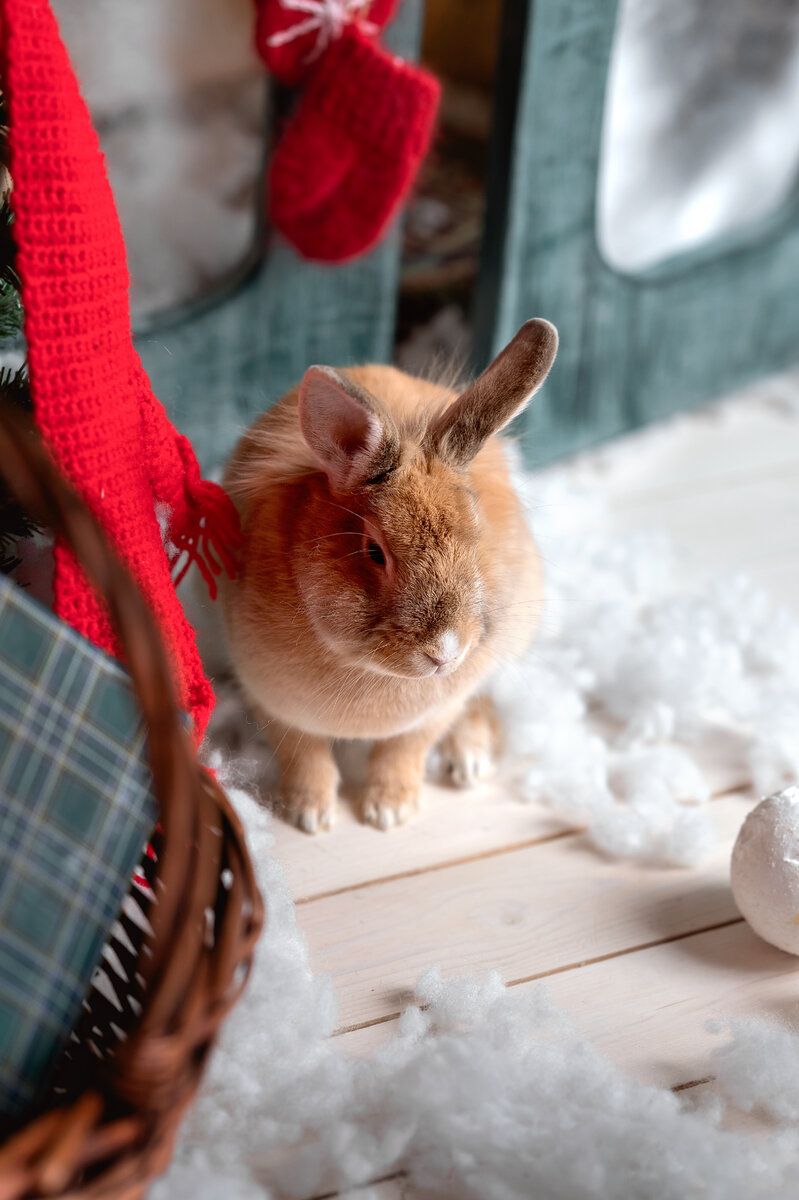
(627, 170)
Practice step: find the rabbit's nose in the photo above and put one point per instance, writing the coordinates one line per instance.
(446, 650)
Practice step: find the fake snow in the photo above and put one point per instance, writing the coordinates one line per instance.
(483, 1092)
(491, 1093)
(643, 664)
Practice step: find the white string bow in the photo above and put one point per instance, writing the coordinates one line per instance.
(327, 19)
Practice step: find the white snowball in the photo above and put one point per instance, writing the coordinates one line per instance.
(765, 870)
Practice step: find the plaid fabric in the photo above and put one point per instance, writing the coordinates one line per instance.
(75, 810)
(113, 1004)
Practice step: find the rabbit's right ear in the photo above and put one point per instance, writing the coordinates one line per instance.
(350, 432)
(498, 395)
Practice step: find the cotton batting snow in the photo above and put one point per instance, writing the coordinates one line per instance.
(491, 1093)
(482, 1092)
(643, 661)
(487, 1093)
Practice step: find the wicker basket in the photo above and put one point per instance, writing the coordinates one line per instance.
(119, 1134)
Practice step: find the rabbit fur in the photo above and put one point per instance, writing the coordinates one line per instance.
(387, 566)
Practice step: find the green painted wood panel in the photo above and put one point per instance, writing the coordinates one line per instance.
(633, 348)
(217, 369)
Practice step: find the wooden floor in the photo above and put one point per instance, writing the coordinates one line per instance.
(641, 957)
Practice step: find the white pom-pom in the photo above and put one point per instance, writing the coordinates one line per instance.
(765, 870)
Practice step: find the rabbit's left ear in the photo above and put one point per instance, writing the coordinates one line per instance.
(498, 395)
(349, 430)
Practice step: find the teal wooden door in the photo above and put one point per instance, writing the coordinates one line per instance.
(634, 348)
(217, 369)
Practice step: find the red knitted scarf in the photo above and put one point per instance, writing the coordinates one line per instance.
(92, 399)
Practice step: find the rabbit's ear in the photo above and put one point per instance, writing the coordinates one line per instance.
(348, 429)
(498, 395)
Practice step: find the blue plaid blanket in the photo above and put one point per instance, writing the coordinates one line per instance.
(75, 811)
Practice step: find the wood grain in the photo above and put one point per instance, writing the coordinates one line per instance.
(532, 912)
(452, 826)
(551, 908)
(648, 1011)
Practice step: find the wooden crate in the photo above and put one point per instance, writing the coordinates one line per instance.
(634, 348)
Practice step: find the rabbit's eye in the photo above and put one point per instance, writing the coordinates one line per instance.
(376, 554)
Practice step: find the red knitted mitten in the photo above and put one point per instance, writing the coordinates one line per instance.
(292, 35)
(351, 151)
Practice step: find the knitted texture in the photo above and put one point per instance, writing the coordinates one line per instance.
(351, 151)
(92, 400)
(292, 35)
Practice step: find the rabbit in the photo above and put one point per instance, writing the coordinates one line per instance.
(386, 568)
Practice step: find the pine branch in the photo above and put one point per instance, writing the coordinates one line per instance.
(14, 387)
(8, 247)
(10, 311)
(15, 523)
(3, 131)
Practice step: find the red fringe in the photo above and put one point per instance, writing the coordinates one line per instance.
(209, 535)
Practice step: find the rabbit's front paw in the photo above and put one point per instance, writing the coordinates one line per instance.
(386, 805)
(468, 753)
(310, 810)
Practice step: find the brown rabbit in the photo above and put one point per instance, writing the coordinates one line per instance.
(387, 567)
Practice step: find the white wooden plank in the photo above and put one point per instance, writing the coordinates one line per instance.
(452, 825)
(389, 1189)
(528, 912)
(736, 440)
(734, 529)
(722, 484)
(398, 1188)
(648, 1010)
(779, 575)
(753, 1124)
